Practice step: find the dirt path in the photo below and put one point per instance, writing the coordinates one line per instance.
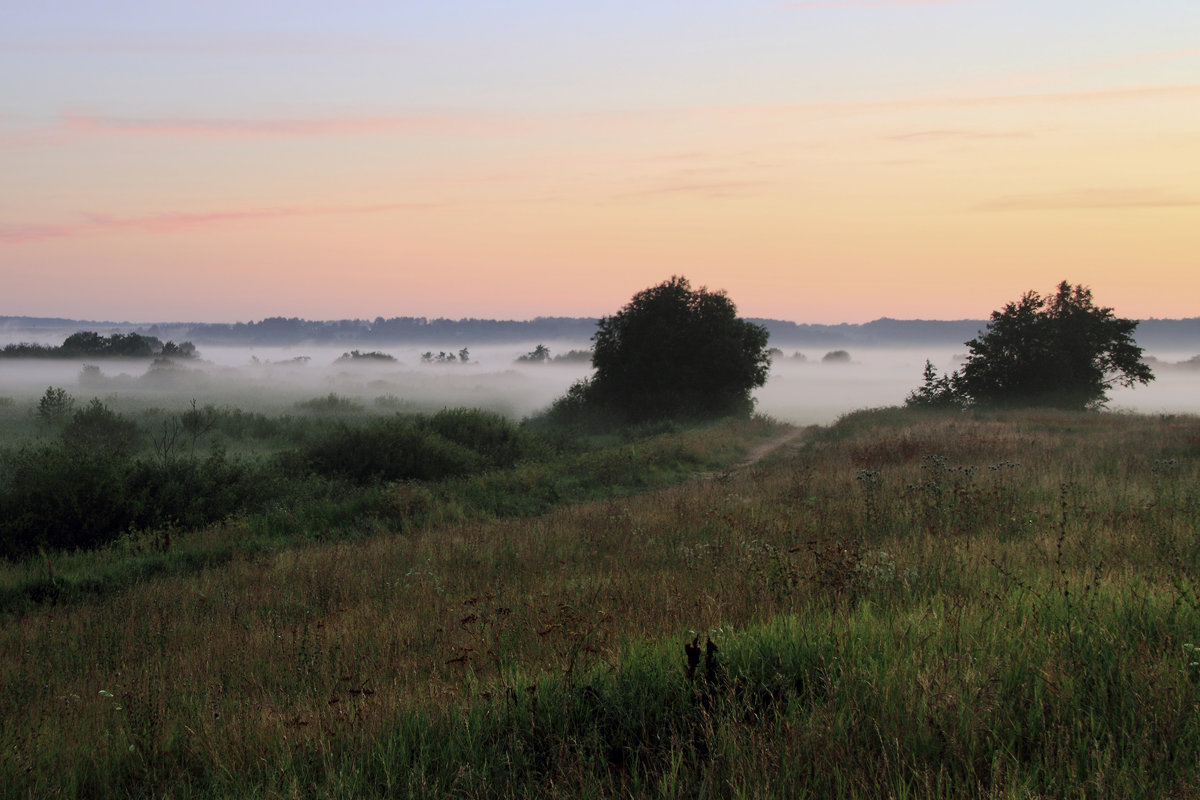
(770, 446)
(756, 455)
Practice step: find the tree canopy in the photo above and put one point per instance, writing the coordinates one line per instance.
(89, 344)
(675, 352)
(1060, 351)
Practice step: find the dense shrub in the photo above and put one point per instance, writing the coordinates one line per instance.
(55, 497)
(373, 355)
(234, 423)
(386, 450)
(572, 415)
(330, 404)
(937, 391)
(491, 435)
(191, 493)
(94, 484)
(99, 429)
(452, 443)
(63, 497)
(88, 488)
(836, 357)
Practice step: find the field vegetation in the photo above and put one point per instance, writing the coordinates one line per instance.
(80, 482)
(908, 603)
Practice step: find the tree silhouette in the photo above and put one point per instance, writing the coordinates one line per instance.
(674, 352)
(538, 355)
(1060, 351)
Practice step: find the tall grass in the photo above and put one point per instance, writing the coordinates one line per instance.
(146, 518)
(912, 605)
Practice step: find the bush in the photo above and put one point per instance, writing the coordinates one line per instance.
(538, 355)
(66, 498)
(836, 357)
(330, 404)
(491, 435)
(374, 355)
(937, 391)
(573, 414)
(55, 497)
(98, 429)
(386, 450)
(191, 493)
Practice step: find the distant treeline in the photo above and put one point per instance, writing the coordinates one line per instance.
(89, 344)
(1176, 334)
(408, 330)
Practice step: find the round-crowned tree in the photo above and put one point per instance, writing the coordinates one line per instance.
(675, 352)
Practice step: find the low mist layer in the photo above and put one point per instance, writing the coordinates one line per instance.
(804, 387)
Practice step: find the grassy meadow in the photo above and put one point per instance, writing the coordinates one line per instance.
(903, 604)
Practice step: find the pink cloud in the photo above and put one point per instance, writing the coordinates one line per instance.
(834, 109)
(79, 125)
(1098, 95)
(1030, 81)
(19, 234)
(84, 124)
(954, 135)
(710, 189)
(1094, 198)
(172, 222)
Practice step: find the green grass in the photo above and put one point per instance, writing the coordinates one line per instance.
(911, 606)
(513, 474)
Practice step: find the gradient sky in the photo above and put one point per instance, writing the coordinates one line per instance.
(824, 161)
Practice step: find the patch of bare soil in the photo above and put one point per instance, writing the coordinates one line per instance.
(770, 446)
(786, 439)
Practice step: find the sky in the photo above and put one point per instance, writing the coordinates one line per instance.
(823, 161)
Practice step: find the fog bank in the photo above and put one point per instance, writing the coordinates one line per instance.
(801, 390)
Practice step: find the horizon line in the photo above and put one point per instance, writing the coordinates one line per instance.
(5, 320)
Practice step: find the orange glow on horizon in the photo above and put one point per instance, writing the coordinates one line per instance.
(871, 189)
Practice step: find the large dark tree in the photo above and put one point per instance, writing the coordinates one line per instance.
(677, 353)
(1060, 351)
